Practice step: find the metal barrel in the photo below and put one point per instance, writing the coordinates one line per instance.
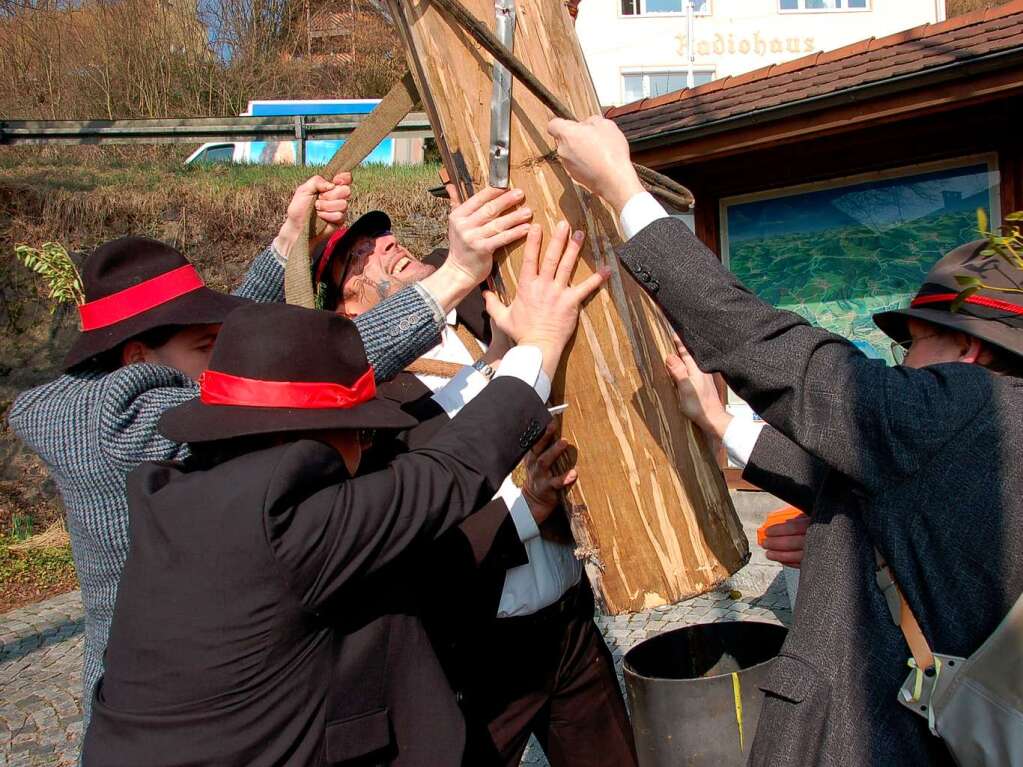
(694, 692)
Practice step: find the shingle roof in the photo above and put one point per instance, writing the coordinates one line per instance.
(910, 52)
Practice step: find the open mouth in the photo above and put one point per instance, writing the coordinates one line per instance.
(400, 265)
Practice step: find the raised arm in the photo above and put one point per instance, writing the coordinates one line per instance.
(353, 529)
(873, 423)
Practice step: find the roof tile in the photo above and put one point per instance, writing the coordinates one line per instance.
(863, 46)
(821, 73)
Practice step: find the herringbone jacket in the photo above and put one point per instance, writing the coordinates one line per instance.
(93, 427)
(922, 464)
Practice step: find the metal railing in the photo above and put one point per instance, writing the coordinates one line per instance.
(199, 129)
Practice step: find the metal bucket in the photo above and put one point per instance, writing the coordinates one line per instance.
(694, 692)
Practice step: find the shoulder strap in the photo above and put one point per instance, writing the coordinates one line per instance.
(902, 616)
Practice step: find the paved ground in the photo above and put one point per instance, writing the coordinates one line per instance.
(41, 653)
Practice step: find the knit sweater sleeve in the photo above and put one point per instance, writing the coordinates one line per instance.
(264, 282)
(133, 400)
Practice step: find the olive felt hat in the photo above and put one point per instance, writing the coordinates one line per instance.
(134, 284)
(993, 312)
(280, 368)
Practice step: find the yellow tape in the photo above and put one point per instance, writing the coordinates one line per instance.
(737, 694)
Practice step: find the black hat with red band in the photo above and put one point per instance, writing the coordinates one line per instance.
(280, 368)
(993, 313)
(135, 284)
(337, 247)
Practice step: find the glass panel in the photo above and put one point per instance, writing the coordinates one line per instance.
(699, 78)
(788, 5)
(659, 84)
(217, 154)
(676, 81)
(632, 87)
(662, 6)
(629, 7)
(703, 6)
(856, 3)
(837, 256)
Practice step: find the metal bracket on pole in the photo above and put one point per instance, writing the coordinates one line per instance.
(500, 100)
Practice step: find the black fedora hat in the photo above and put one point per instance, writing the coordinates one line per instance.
(992, 315)
(372, 223)
(280, 368)
(134, 284)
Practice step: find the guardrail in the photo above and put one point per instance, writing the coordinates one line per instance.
(199, 129)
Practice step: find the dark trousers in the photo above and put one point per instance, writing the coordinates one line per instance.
(548, 674)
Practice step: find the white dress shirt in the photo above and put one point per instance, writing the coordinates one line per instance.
(553, 568)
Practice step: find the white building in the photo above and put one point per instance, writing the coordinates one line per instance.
(639, 48)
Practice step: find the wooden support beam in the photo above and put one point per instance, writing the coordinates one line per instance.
(650, 513)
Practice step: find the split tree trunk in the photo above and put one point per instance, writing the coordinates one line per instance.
(650, 513)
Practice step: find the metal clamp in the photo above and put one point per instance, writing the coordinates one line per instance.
(500, 100)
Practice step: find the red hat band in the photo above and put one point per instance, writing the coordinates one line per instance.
(991, 303)
(217, 388)
(140, 298)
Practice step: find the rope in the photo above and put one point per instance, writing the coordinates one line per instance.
(657, 183)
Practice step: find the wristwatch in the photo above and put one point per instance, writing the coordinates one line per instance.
(483, 367)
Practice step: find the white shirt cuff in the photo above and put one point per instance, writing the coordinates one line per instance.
(740, 438)
(431, 300)
(518, 507)
(640, 211)
(460, 390)
(524, 363)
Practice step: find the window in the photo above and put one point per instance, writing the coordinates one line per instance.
(839, 252)
(660, 7)
(638, 85)
(824, 5)
(213, 154)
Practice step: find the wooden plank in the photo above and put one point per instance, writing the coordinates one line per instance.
(651, 512)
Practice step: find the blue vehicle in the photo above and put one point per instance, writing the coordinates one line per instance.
(390, 151)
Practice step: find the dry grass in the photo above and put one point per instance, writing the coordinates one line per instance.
(219, 216)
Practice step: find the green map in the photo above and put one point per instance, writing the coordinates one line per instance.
(838, 256)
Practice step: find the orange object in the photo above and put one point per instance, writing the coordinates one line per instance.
(778, 517)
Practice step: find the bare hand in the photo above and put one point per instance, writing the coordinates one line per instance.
(480, 225)
(697, 392)
(546, 308)
(543, 486)
(785, 542)
(499, 345)
(330, 198)
(596, 154)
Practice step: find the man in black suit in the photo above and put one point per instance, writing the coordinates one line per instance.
(248, 624)
(522, 598)
(919, 463)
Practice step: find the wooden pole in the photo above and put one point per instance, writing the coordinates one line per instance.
(651, 514)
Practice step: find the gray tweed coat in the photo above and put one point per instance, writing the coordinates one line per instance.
(93, 427)
(923, 464)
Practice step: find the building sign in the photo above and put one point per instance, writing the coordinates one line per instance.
(730, 44)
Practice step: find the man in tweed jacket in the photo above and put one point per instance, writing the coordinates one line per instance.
(97, 422)
(921, 464)
(94, 425)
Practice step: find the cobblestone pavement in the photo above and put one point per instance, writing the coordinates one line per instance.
(41, 665)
